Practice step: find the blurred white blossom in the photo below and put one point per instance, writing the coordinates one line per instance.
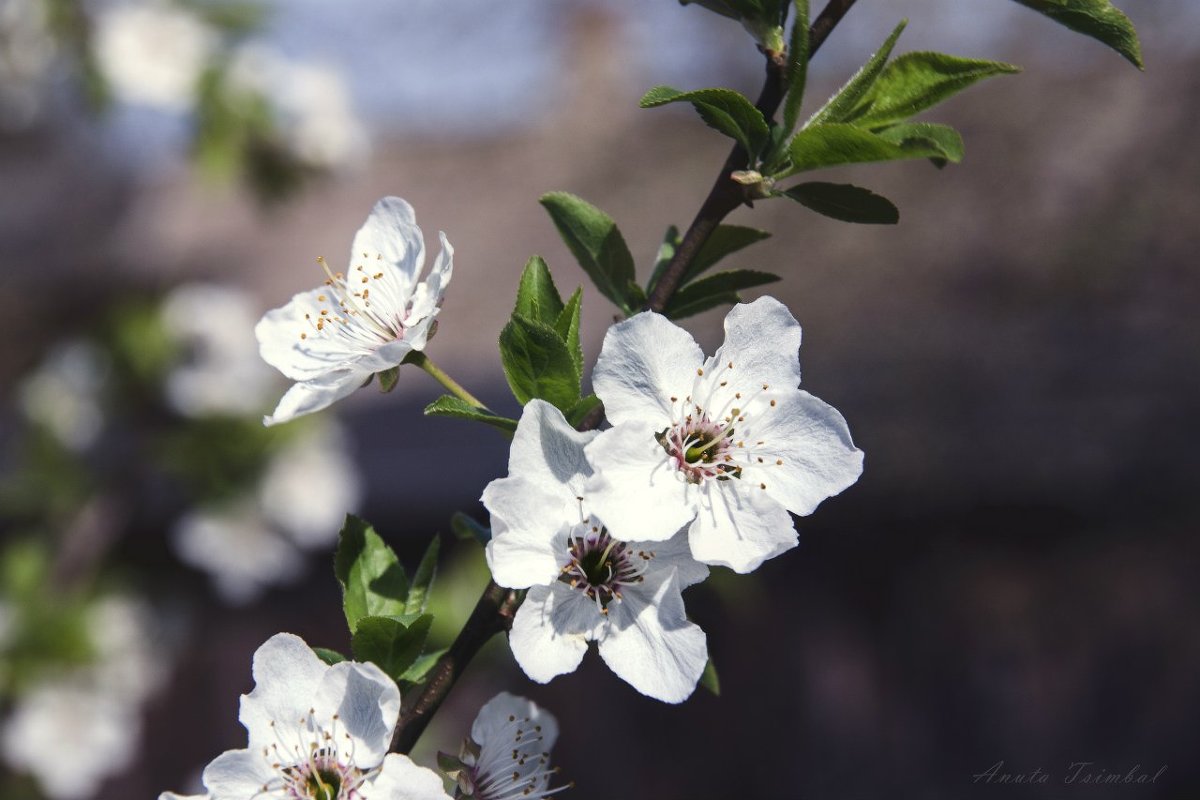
(64, 393)
(310, 485)
(27, 52)
(152, 53)
(221, 372)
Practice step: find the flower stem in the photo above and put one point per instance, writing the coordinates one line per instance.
(419, 359)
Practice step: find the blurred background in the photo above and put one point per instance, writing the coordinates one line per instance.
(1010, 580)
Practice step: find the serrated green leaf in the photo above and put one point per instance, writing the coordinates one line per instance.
(466, 527)
(330, 657)
(373, 581)
(450, 406)
(537, 297)
(914, 82)
(567, 327)
(943, 139)
(834, 144)
(1099, 19)
(582, 409)
(797, 72)
(666, 251)
(597, 245)
(845, 202)
(724, 110)
(714, 290)
(709, 679)
(724, 241)
(839, 107)
(538, 363)
(421, 667)
(388, 379)
(422, 579)
(390, 643)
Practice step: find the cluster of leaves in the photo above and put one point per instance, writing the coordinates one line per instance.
(384, 607)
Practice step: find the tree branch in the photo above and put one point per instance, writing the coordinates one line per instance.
(726, 194)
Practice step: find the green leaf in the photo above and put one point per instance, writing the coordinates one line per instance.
(714, 290)
(388, 379)
(722, 109)
(797, 72)
(709, 679)
(943, 139)
(917, 81)
(666, 251)
(537, 297)
(724, 241)
(422, 579)
(538, 363)
(390, 643)
(330, 657)
(1099, 19)
(597, 245)
(582, 409)
(450, 406)
(845, 202)
(839, 107)
(830, 145)
(567, 327)
(373, 582)
(466, 527)
(421, 667)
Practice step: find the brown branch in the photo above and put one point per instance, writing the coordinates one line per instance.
(726, 194)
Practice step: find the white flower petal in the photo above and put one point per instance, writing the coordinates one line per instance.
(652, 646)
(813, 443)
(401, 779)
(390, 241)
(491, 724)
(674, 554)
(636, 492)
(762, 339)
(427, 297)
(551, 630)
(237, 775)
(546, 449)
(287, 675)
(309, 396)
(739, 526)
(173, 796)
(367, 704)
(645, 361)
(300, 359)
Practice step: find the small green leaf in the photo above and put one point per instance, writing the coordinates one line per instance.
(582, 409)
(466, 527)
(917, 81)
(421, 667)
(422, 579)
(450, 406)
(724, 241)
(845, 202)
(388, 379)
(390, 643)
(714, 290)
(797, 72)
(537, 297)
(538, 363)
(567, 327)
(944, 140)
(330, 657)
(1099, 19)
(373, 582)
(839, 107)
(724, 110)
(597, 245)
(709, 679)
(666, 251)
(834, 144)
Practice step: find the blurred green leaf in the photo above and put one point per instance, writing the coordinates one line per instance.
(709, 679)
(581, 409)
(466, 527)
(388, 379)
(330, 657)
(666, 251)
(914, 82)
(422, 579)
(1099, 19)
(537, 297)
(797, 72)
(724, 110)
(421, 667)
(714, 290)
(845, 202)
(839, 107)
(538, 363)
(390, 643)
(597, 245)
(450, 406)
(373, 581)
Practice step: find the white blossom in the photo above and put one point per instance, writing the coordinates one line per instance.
(152, 53)
(583, 584)
(331, 339)
(309, 485)
(726, 446)
(220, 371)
(508, 753)
(64, 394)
(318, 732)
